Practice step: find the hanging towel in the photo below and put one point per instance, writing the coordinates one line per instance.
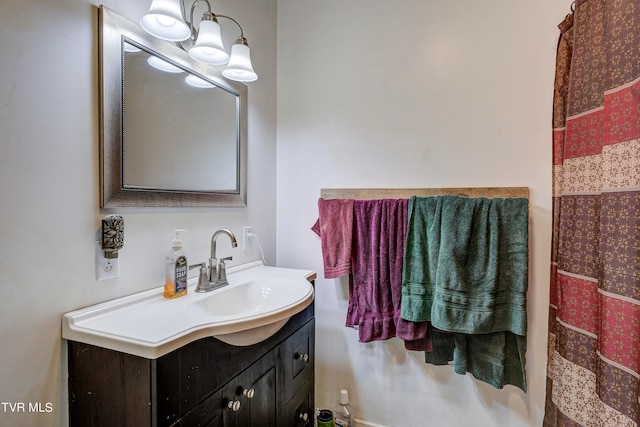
(379, 235)
(497, 358)
(466, 271)
(334, 226)
(422, 249)
(466, 264)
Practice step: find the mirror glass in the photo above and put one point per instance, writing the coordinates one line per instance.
(178, 128)
(173, 129)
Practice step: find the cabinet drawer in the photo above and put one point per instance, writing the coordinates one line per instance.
(299, 358)
(299, 410)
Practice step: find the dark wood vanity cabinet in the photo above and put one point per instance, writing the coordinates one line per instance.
(205, 383)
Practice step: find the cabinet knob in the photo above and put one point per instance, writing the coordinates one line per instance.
(304, 417)
(248, 393)
(304, 357)
(234, 405)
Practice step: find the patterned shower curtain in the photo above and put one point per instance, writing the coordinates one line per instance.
(594, 321)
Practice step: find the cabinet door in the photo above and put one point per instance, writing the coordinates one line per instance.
(299, 359)
(218, 410)
(300, 411)
(258, 390)
(108, 388)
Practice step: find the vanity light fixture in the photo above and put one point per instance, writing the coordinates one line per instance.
(165, 20)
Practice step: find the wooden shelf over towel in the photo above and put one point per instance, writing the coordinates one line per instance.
(402, 193)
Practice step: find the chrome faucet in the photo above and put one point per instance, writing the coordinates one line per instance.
(217, 269)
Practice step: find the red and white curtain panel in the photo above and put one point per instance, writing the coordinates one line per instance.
(594, 320)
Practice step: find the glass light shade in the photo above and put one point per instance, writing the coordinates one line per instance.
(239, 67)
(208, 47)
(164, 20)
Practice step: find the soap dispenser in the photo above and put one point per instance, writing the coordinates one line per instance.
(176, 268)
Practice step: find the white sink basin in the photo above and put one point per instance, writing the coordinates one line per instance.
(256, 304)
(254, 296)
(251, 303)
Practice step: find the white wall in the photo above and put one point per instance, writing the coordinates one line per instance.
(417, 93)
(370, 93)
(49, 200)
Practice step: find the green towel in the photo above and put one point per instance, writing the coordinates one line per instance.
(497, 359)
(466, 271)
(466, 264)
(422, 248)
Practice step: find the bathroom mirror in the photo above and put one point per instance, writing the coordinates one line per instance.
(173, 131)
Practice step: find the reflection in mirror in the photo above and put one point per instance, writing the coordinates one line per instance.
(173, 130)
(156, 152)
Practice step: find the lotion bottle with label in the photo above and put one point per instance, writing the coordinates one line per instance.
(177, 269)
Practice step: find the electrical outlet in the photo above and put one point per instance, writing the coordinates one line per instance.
(247, 239)
(106, 268)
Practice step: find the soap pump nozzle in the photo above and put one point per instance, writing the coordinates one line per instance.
(177, 242)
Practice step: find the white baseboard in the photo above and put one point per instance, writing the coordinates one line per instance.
(359, 422)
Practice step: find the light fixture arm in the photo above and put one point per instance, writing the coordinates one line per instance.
(210, 15)
(241, 39)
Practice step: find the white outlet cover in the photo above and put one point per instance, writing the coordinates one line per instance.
(247, 242)
(106, 268)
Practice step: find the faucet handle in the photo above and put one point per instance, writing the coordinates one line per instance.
(222, 270)
(203, 278)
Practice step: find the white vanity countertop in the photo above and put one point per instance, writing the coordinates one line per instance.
(148, 325)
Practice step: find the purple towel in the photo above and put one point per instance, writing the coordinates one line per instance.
(375, 287)
(334, 226)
